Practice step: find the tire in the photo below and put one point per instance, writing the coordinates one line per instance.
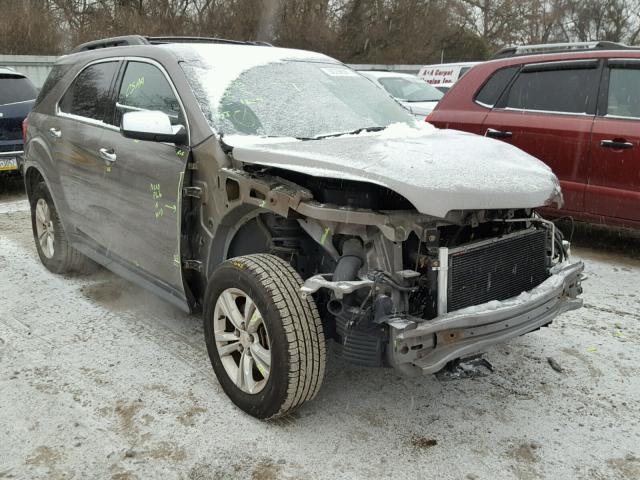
(291, 327)
(55, 252)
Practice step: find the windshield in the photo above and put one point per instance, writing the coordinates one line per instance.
(410, 90)
(15, 89)
(301, 99)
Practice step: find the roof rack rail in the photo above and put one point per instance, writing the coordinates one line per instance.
(162, 40)
(128, 40)
(518, 50)
(111, 42)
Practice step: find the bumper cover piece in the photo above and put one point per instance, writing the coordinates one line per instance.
(419, 346)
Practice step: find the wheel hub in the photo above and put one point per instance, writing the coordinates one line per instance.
(245, 339)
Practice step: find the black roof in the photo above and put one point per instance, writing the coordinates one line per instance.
(141, 40)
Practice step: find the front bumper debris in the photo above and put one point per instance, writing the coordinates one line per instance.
(426, 346)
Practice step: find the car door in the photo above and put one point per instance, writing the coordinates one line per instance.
(614, 178)
(75, 134)
(146, 182)
(548, 111)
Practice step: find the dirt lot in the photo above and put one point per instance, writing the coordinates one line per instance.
(99, 379)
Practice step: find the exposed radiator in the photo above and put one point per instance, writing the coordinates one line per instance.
(496, 269)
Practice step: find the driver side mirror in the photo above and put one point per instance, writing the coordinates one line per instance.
(152, 125)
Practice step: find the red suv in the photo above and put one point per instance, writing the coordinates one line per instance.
(578, 111)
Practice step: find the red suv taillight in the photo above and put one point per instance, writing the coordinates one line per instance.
(24, 130)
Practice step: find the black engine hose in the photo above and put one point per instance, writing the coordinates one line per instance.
(347, 269)
(350, 262)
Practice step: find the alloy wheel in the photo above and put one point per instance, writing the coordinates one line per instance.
(242, 340)
(44, 228)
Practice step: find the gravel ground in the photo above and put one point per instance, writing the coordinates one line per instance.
(99, 379)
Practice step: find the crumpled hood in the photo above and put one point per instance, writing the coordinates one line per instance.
(436, 170)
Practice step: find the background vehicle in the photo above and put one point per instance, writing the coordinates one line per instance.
(444, 75)
(578, 111)
(176, 165)
(17, 95)
(419, 97)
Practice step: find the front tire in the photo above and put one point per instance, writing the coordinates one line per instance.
(265, 341)
(51, 241)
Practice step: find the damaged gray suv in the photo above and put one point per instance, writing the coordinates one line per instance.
(294, 203)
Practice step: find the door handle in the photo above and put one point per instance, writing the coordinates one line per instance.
(108, 155)
(620, 144)
(493, 133)
(55, 133)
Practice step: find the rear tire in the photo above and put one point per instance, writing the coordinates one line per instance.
(51, 241)
(292, 335)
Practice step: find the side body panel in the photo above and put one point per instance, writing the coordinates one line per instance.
(614, 180)
(126, 215)
(561, 141)
(81, 173)
(145, 193)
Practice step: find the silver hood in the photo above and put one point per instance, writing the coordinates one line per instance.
(436, 170)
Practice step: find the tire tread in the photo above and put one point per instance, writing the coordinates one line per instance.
(301, 322)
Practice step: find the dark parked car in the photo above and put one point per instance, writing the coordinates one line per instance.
(17, 95)
(293, 201)
(577, 109)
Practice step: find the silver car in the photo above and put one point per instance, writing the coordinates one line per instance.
(293, 203)
(417, 96)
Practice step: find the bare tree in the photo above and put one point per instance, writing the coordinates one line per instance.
(372, 31)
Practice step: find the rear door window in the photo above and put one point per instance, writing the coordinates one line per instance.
(89, 94)
(493, 88)
(145, 87)
(14, 88)
(560, 89)
(624, 92)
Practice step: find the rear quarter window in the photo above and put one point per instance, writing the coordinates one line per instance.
(492, 89)
(55, 75)
(624, 93)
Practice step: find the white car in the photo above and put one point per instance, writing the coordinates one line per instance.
(444, 75)
(418, 97)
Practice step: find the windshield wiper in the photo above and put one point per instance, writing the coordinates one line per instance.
(352, 132)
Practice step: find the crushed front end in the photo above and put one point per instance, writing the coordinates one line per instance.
(417, 293)
(396, 287)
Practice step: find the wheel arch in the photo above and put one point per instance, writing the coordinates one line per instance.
(248, 230)
(225, 233)
(32, 176)
(228, 240)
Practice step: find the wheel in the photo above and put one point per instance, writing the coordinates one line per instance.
(265, 341)
(51, 241)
